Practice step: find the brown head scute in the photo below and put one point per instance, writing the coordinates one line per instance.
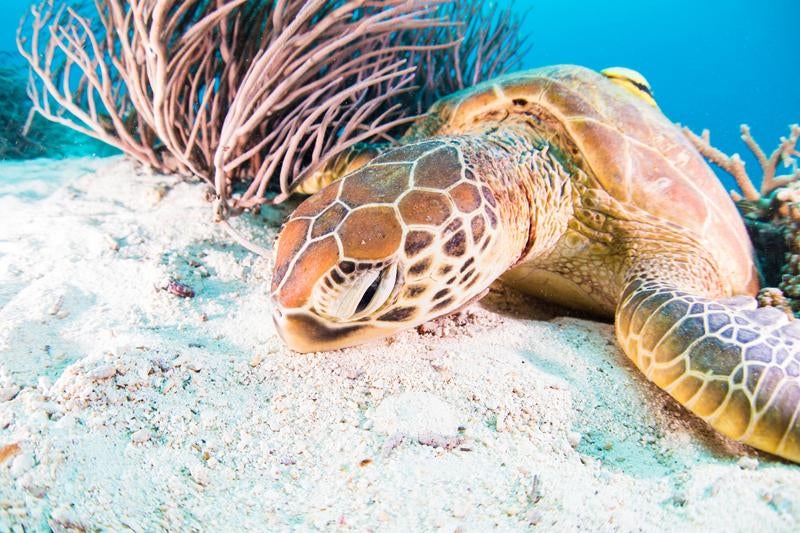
(292, 240)
(487, 194)
(412, 291)
(478, 225)
(328, 221)
(416, 241)
(453, 226)
(399, 314)
(371, 233)
(457, 245)
(336, 277)
(466, 264)
(491, 216)
(318, 203)
(375, 185)
(425, 207)
(468, 275)
(442, 305)
(420, 267)
(466, 197)
(317, 258)
(441, 294)
(439, 169)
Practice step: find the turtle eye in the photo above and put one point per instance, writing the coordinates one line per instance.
(368, 294)
(378, 291)
(365, 294)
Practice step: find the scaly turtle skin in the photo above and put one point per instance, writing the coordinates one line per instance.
(571, 186)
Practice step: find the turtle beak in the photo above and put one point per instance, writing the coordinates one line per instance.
(290, 331)
(303, 332)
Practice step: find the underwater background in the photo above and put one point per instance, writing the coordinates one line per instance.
(127, 404)
(712, 64)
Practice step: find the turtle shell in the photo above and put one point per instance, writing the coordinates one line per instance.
(626, 145)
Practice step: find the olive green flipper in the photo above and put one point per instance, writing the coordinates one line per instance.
(342, 164)
(728, 362)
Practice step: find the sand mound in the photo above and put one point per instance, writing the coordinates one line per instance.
(125, 406)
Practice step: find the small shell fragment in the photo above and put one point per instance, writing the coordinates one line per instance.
(179, 289)
(102, 372)
(8, 451)
(573, 438)
(199, 474)
(143, 435)
(747, 463)
(8, 392)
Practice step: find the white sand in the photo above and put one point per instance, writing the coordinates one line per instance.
(125, 407)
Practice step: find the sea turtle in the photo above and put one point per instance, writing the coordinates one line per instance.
(570, 185)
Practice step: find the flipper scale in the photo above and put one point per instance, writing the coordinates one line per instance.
(745, 385)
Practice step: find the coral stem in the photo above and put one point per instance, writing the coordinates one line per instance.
(785, 154)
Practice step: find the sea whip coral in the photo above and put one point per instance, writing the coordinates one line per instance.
(23, 135)
(243, 92)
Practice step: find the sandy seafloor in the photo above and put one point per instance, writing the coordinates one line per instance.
(125, 407)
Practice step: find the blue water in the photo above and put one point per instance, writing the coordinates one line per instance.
(712, 63)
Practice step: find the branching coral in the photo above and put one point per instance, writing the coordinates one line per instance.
(24, 135)
(785, 154)
(771, 211)
(489, 45)
(242, 93)
(14, 116)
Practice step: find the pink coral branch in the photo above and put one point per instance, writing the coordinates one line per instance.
(785, 153)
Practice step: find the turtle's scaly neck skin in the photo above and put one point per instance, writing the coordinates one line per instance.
(590, 264)
(446, 217)
(542, 178)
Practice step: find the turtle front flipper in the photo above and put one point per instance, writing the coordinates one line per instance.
(340, 165)
(730, 363)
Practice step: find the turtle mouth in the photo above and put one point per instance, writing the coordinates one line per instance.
(363, 294)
